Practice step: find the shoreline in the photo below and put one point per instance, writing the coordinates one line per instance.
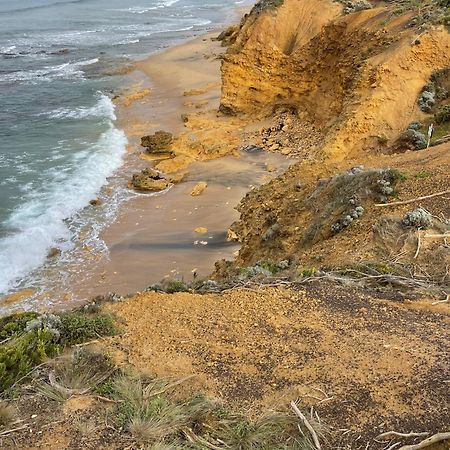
(154, 235)
(147, 97)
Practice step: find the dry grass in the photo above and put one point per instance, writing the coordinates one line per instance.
(75, 374)
(155, 419)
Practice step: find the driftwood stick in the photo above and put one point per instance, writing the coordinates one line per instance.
(405, 202)
(438, 437)
(391, 434)
(307, 425)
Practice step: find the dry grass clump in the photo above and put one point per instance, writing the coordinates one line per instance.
(75, 374)
(154, 418)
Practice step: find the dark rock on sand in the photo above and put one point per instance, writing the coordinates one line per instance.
(160, 142)
(148, 180)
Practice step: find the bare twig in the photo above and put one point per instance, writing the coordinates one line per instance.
(438, 437)
(391, 447)
(307, 425)
(391, 434)
(418, 245)
(442, 301)
(4, 433)
(193, 438)
(405, 202)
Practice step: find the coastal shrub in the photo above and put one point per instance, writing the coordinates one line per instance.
(30, 342)
(78, 327)
(19, 355)
(14, 324)
(176, 286)
(270, 266)
(263, 5)
(443, 114)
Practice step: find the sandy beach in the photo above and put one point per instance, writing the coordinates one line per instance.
(154, 236)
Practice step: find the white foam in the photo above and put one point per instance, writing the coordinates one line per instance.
(103, 108)
(48, 73)
(40, 220)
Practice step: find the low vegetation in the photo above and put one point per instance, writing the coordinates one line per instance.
(31, 339)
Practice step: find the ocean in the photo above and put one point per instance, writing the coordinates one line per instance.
(61, 61)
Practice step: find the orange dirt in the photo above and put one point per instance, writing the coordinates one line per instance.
(365, 363)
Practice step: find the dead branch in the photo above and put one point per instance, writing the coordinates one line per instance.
(418, 245)
(307, 424)
(438, 437)
(4, 433)
(194, 439)
(405, 202)
(391, 434)
(440, 236)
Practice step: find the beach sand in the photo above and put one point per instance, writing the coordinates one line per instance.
(154, 235)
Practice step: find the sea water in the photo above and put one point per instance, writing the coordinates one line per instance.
(60, 62)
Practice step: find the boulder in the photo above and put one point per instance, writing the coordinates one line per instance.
(159, 142)
(148, 180)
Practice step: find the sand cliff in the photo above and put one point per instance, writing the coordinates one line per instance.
(339, 294)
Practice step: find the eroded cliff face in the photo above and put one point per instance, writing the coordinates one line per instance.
(355, 79)
(352, 76)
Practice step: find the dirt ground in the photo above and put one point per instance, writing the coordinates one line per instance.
(367, 364)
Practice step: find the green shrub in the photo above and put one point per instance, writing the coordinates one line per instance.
(443, 114)
(15, 324)
(176, 286)
(270, 266)
(29, 346)
(20, 355)
(78, 327)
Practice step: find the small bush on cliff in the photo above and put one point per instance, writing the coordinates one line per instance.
(264, 5)
(43, 337)
(443, 114)
(15, 324)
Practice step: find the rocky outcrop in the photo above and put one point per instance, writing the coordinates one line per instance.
(148, 180)
(159, 142)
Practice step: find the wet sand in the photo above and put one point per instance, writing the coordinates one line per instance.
(154, 236)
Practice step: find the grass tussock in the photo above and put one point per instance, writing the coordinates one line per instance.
(75, 374)
(154, 418)
(6, 414)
